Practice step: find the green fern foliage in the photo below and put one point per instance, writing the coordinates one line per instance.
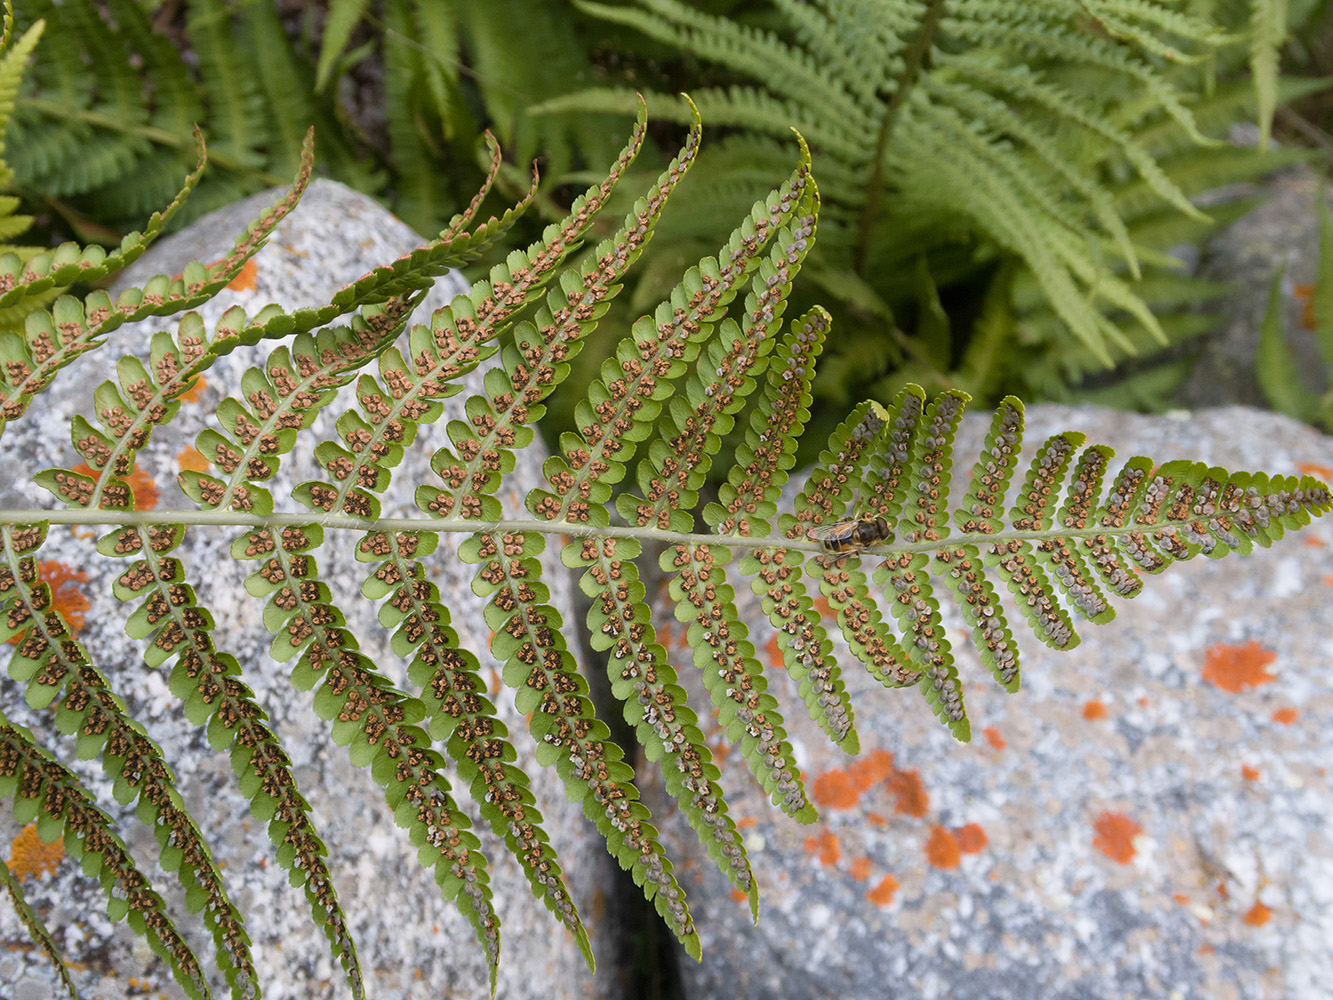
(872, 530)
(954, 139)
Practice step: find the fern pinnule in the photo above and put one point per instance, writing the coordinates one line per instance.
(46, 792)
(548, 684)
(747, 504)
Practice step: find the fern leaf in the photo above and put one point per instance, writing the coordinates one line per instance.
(343, 16)
(1268, 31)
(11, 74)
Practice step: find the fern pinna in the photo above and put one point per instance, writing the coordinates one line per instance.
(624, 487)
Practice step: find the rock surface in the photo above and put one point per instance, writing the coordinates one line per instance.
(1282, 233)
(410, 942)
(1120, 827)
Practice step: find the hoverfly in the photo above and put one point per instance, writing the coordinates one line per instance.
(850, 536)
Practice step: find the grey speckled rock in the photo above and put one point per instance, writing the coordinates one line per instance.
(1283, 232)
(410, 942)
(1231, 791)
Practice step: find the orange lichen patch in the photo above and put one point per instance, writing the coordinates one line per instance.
(745, 822)
(826, 845)
(834, 790)
(29, 855)
(1328, 578)
(1315, 542)
(1312, 469)
(943, 849)
(1207, 949)
(1181, 898)
(876, 819)
(909, 791)
(971, 838)
(1144, 701)
(738, 897)
(196, 389)
(774, 652)
(1258, 915)
(882, 894)
(872, 768)
(1234, 668)
(494, 683)
(840, 788)
(1249, 773)
(666, 635)
(822, 606)
(1115, 836)
(1305, 295)
(192, 459)
(1094, 709)
(66, 597)
(860, 868)
(1286, 716)
(994, 738)
(245, 277)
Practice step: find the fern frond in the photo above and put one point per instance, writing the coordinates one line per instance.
(11, 73)
(1066, 544)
